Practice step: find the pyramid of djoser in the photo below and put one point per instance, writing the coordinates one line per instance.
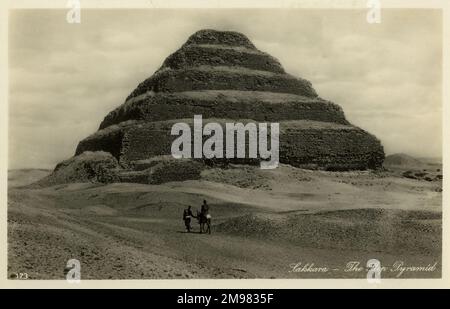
(225, 78)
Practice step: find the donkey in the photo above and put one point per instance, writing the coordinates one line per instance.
(202, 220)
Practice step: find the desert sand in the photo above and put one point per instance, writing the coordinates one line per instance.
(263, 223)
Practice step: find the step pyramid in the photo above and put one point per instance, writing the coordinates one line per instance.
(222, 76)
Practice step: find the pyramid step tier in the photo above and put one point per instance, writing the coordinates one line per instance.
(303, 143)
(222, 55)
(223, 78)
(260, 106)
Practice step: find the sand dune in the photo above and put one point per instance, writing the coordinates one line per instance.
(263, 223)
(22, 177)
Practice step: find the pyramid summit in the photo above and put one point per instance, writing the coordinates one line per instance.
(214, 37)
(212, 60)
(222, 76)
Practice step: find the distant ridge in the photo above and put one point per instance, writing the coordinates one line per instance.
(403, 160)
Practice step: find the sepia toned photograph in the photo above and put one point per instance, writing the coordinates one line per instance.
(225, 143)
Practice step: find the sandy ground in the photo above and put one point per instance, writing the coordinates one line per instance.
(22, 177)
(264, 222)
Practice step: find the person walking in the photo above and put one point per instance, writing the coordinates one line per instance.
(187, 216)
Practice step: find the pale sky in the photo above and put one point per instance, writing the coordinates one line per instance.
(64, 78)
